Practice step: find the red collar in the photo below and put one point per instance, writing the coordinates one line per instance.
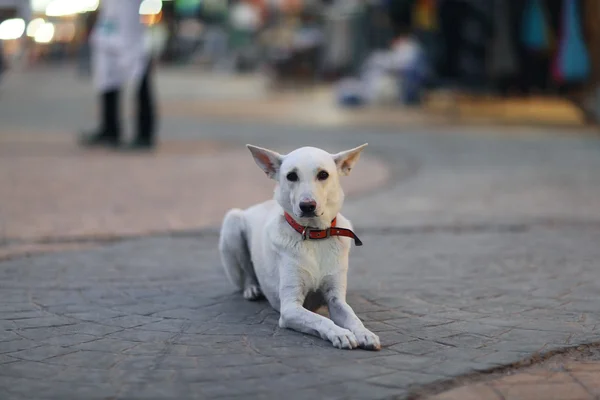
(316, 234)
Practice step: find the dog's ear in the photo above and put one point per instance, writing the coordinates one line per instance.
(346, 159)
(268, 160)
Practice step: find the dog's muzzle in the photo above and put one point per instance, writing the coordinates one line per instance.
(308, 208)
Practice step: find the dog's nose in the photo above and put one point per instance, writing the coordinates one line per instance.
(308, 207)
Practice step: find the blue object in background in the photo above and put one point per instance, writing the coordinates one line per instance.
(573, 62)
(534, 33)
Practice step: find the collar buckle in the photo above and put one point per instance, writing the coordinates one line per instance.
(307, 230)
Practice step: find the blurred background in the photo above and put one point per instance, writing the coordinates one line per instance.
(438, 55)
(287, 73)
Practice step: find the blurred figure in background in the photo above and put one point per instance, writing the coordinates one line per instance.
(214, 51)
(1, 61)
(85, 50)
(120, 54)
(245, 22)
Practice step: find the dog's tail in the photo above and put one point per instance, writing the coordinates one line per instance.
(233, 246)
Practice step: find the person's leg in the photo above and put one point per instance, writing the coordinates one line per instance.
(146, 119)
(109, 131)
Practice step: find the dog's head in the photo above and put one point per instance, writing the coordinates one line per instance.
(308, 181)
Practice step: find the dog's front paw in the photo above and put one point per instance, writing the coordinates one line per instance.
(343, 339)
(367, 340)
(252, 293)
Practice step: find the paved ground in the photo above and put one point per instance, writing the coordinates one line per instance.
(51, 185)
(570, 375)
(481, 250)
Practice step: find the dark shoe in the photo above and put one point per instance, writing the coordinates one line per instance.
(140, 145)
(99, 139)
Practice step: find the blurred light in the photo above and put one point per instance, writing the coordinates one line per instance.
(88, 5)
(64, 32)
(61, 8)
(45, 33)
(150, 7)
(12, 29)
(39, 6)
(34, 25)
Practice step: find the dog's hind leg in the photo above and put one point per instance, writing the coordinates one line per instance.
(235, 255)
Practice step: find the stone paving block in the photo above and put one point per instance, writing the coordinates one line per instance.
(98, 391)
(106, 345)
(52, 321)
(404, 379)
(392, 338)
(157, 391)
(170, 325)
(452, 368)
(6, 359)
(583, 366)
(404, 362)
(137, 363)
(18, 307)
(476, 392)
(22, 388)
(84, 328)
(87, 375)
(145, 309)
(363, 390)
(129, 321)
(502, 358)
(240, 347)
(358, 371)
(549, 391)
(141, 376)
(140, 335)
(589, 379)
(69, 340)
(376, 326)
(141, 348)
(535, 377)
(235, 373)
(419, 347)
(95, 315)
(43, 352)
(87, 358)
(217, 361)
(7, 336)
(30, 370)
(14, 315)
(178, 362)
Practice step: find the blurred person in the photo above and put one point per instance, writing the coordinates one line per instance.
(120, 54)
(245, 21)
(214, 13)
(409, 60)
(85, 52)
(1, 60)
(188, 28)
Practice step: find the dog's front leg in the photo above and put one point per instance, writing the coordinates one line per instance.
(343, 315)
(294, 316)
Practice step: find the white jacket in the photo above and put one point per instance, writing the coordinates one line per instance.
(120, 51)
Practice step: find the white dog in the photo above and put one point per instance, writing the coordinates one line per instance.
(294, 249)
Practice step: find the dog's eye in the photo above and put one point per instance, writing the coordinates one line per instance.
(292, 177)
(322, 175)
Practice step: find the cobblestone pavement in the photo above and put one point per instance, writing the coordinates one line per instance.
(156, 318)
(480, 251)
